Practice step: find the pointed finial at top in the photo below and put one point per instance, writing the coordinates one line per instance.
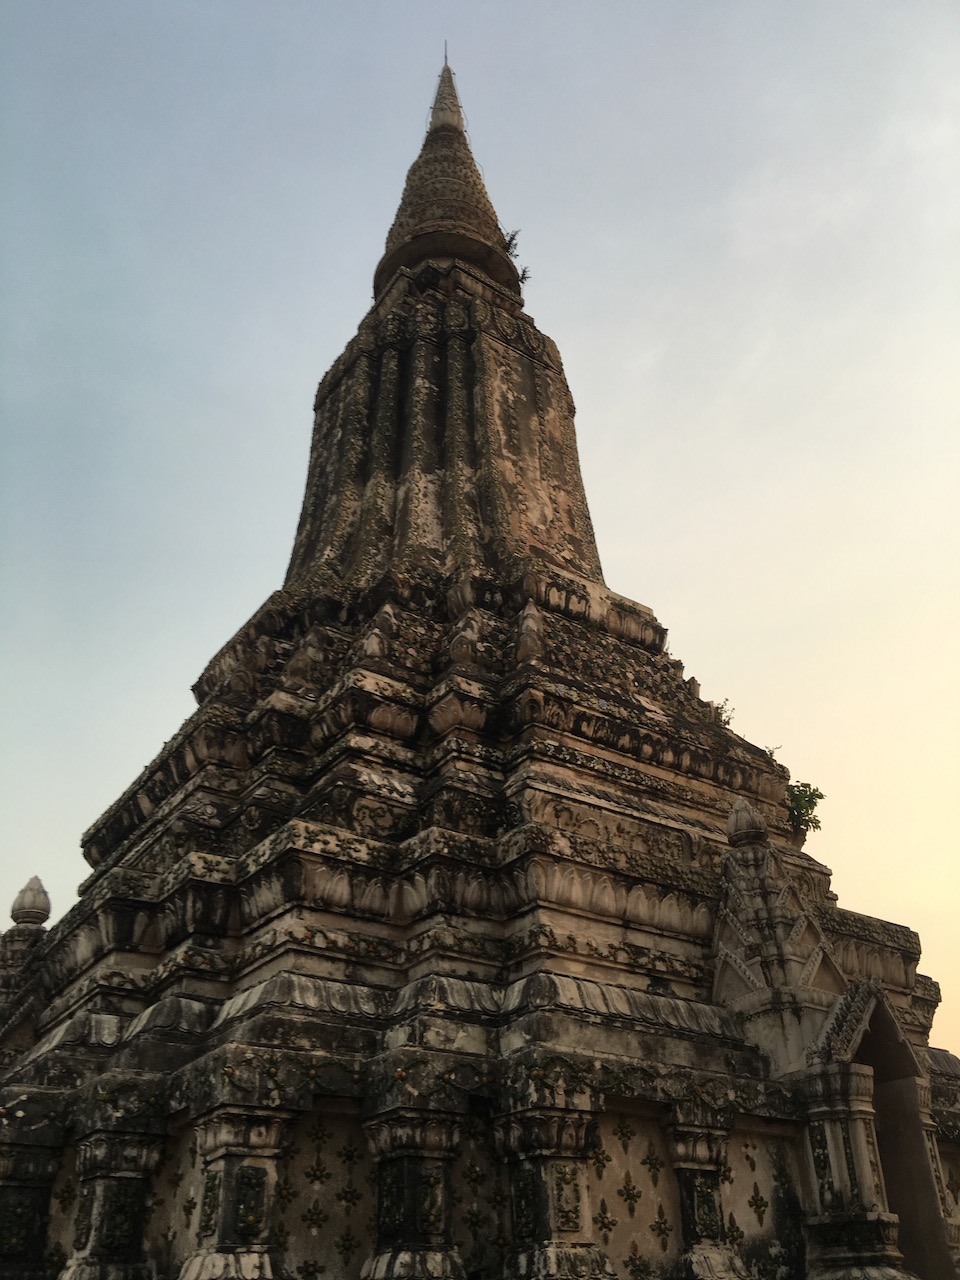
(446, 104)
(445, 214)
(32, 904)
(744, 824)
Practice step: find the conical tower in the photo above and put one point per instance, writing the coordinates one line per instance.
(443, 444)
(454, 934)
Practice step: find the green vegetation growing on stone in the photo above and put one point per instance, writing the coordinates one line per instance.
(803, 798)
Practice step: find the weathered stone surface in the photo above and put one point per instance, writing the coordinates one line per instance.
(454, 935)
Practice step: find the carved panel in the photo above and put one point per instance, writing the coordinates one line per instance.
(566, 1197)
(122, 1220)
(209, 1204)
(526, 1202)
(250, 1203)
(826, 1189)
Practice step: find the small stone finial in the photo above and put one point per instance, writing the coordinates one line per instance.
(744, 824)
(32, 904)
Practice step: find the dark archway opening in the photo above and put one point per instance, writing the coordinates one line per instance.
(911, 1190)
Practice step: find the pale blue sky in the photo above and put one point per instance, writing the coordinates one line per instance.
(741, 222)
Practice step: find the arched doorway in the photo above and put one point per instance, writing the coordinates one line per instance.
(912, 1193)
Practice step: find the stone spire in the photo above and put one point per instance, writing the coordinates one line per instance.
(443, 445)
(446, 104)
(445, 211)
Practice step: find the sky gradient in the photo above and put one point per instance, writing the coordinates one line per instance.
(741, 223)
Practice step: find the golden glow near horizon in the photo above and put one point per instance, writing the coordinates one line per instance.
(741, 226)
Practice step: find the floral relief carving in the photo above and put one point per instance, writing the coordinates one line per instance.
(636, 1266)
(661, 1228)
(624, 1131)
(311, 1270)
(653, 1163)
(481, 1201)
(639, 1244)
(629, 1193)
(251, 1190)
(567, 1197)
(734, 1233)
(314, 1217)
(346, 1245)
(323, 1203)
(604, 1221)
(599, 1158)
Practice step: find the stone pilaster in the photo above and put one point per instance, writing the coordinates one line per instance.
(414, 1232)
(239, 1147)
(114, 1173)
(854, 1228)
(697, 1140)
(547, 1149)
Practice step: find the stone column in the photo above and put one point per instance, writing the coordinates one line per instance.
(239, 1147)
(548, 1148)
(27, 1171)
(697, 1140)
(114, 1171)
(854, 1227)
(414, 1231)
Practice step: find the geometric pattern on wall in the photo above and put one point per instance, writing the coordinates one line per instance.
(324, 1205)
(634, 1202)
(173, 1208)
(480, 1201)
(761, 1208)
(63, 1204)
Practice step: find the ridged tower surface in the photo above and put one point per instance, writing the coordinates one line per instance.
(454, 934)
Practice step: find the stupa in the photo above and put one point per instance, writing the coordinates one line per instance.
(454, 935)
